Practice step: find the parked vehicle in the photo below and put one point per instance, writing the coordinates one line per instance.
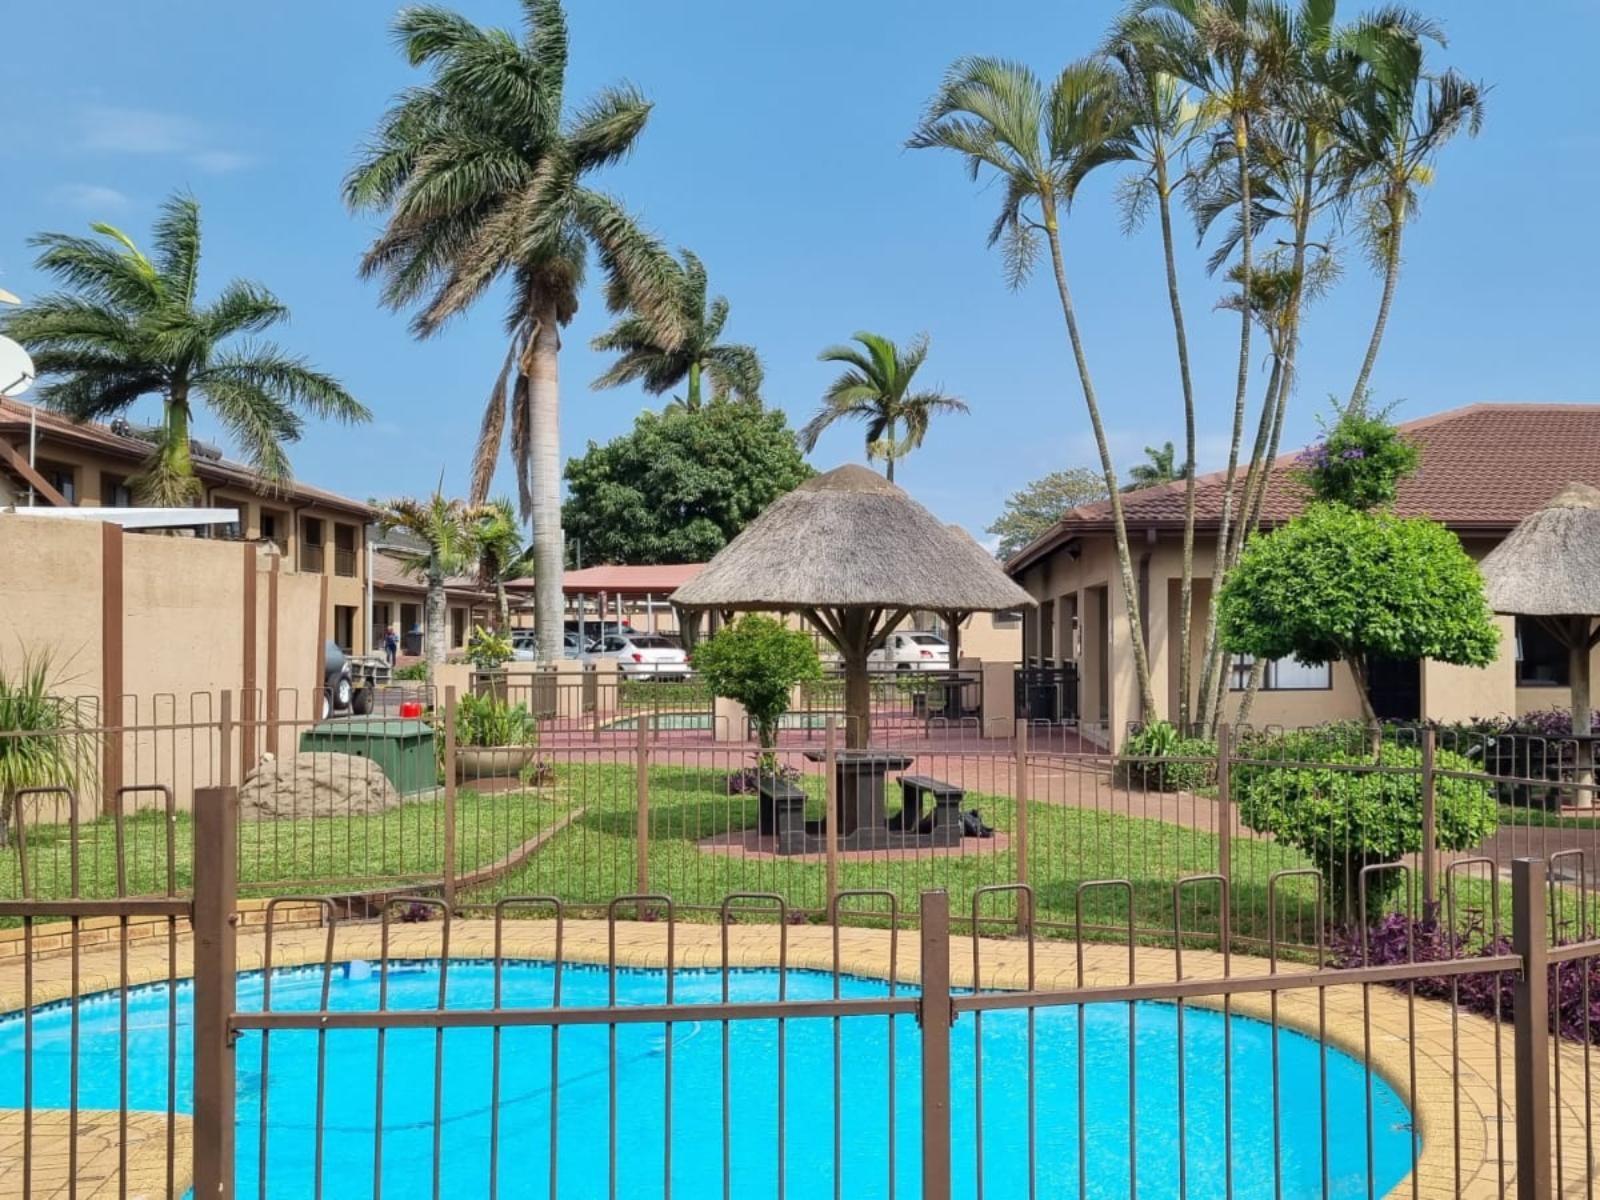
(350, 684)
(646, 656)
(911, 650)
(598, 630)
(524, 648)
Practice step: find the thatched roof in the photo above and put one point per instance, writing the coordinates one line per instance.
(850, 539)
(1549, 566)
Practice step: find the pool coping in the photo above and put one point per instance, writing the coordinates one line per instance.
(1438, 1108)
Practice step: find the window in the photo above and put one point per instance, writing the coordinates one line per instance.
(344, 627)
(344, 550)
(311, 546)
(274, 528)
(1282, 675)
(1542, 659)
(1008, 618)
(61, 477)
(115, 491)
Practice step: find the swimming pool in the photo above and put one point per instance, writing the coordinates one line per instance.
(697, 1093)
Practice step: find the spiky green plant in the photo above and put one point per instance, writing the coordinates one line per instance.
(446, 528)
(483, 176)
(501, 553)
(44, 738)
(662, 358)
(127, 325)
(876, 387)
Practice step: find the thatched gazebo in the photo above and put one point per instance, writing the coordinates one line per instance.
(1549, 568)
(855, 555)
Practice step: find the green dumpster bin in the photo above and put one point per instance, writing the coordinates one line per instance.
(403, 748)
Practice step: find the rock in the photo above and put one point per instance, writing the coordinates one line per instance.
(319, 784)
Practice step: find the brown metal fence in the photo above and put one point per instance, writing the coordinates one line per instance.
(474, 987)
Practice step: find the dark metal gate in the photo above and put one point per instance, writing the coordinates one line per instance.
(1047, 693)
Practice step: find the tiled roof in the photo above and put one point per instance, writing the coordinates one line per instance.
(660, 579)
(1483, 467)
(14, 418)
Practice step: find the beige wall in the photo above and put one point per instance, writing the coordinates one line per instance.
(182, 641)
(1111, 688)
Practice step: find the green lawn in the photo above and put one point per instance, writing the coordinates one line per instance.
(349, 853)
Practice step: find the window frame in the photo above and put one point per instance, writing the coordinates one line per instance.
(1239, 675)
(1563, 664)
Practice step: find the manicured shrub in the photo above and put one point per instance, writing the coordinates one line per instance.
(487, 721)
(1317, 791)
(757, 661)
(1148, 754)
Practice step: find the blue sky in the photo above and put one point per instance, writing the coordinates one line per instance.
(775, 151)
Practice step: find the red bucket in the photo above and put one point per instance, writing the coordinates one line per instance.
(411, 708)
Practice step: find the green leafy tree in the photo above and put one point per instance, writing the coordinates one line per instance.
(447, 530)
(663, 355)
(1037, 138)
(1338, 585)
(1391, 128)
(682, 484)
(876, 387)
(1309, 790)
(482, 176)
(757, 661)
(129, 325)
(1034, 510)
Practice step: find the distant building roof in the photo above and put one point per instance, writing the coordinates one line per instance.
(390, 574)
(660, 579)
(15, 417)
(1483, 469)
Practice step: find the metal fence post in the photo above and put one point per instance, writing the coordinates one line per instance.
(449, 867)
(216, 814)
(225, 738)
(935, 1018)
(1531, 1005)
(830, 812)
(1430, 838)
(1020, 789)
(1225, 801)
(642, 835)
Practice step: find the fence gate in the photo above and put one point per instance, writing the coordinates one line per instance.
(1047, 693)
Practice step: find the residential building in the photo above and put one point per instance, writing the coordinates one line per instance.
(316, 532)
(1483, 468)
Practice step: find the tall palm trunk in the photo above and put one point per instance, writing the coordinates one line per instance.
(1186, 588)
(437, 646)
(544, 451)
(502, 606)
(1212, 675)
(1130, 591)
(888, 440)
(1391, 276)
(168, 479)
(693, 401)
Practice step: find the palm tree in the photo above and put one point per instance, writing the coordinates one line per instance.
(446, 530)
(128, 325)
(1160, 466)
(998, 115)
(875, 387)
(664, 357)
(501, 554)
(1162, 123)
(1391, 128)
(481, 177)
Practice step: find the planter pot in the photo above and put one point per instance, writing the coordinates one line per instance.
(492, 762)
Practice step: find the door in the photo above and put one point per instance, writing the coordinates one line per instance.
(1394, 685)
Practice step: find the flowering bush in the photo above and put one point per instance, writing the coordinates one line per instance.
(1398, 939)
(1360, 461)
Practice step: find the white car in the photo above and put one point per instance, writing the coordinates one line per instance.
(911, 650)
(645, 656)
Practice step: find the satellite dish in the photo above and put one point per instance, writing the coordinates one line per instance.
(16, 368)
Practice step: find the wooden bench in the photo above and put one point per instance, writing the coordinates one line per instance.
(782, 809)
(947, 798)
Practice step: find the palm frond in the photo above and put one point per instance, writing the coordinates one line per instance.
(177, 242)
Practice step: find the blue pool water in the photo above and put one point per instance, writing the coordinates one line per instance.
(408, 1115)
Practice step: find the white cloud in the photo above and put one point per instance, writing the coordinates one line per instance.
(107, 128)
(92, 198)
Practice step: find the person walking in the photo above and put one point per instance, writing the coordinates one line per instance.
(391, 645)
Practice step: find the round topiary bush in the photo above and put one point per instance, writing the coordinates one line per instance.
(1319, 791)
